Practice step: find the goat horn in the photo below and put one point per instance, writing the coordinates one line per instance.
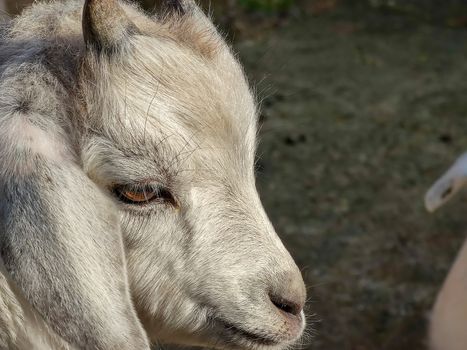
(105, 24)
(179, 6)
(176, 6)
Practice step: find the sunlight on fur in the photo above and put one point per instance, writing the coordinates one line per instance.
(100, 97)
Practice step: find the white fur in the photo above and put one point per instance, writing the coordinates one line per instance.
(449, 316)
(165, 103)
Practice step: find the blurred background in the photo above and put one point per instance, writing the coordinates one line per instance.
(364, 105)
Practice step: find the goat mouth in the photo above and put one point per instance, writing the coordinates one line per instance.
(237, 334)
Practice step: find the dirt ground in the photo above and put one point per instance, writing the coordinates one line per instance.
(361, 112)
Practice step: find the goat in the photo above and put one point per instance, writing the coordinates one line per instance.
(449, 316)
(129, 213)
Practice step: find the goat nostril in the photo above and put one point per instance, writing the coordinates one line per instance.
(287, 306)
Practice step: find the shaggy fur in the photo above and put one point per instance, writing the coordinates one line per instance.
(113, 99)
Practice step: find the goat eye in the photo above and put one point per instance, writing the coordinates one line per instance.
(143, 194)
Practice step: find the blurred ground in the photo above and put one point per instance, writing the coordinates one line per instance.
(362, 111)
(364, 105)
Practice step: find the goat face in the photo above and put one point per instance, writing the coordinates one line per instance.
(173, 138)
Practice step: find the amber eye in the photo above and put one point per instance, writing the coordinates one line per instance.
(143, 194)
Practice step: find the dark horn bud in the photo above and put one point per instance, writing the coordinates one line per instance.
(106, 25)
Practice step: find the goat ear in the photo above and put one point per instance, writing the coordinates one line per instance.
(60, 242)
(448, 185)
(106, 27)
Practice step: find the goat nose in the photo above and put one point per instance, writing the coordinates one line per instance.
(289, 297)
(287, 306)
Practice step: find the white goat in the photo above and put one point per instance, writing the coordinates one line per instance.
(128, 210)
(448, 326)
